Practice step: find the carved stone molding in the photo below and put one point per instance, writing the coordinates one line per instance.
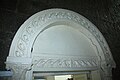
(105, 71)
(65, 62)
(24, 39)
(23, 47)
(19, 70)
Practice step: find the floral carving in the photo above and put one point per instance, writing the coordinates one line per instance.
(30, 30)
(63, 15)
(25, 41)
(18, 53)
(64, 62)
(25, 37)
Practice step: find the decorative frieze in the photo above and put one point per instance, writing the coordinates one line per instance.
(65, 62)
(24, 39)
(61, 15)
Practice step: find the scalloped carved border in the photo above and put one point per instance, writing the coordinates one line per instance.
(29, 31)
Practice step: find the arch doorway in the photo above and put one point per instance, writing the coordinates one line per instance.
(59, 42)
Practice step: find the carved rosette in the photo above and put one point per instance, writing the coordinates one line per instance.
(19, 70)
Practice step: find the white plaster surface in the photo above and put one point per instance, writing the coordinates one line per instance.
(58, 40)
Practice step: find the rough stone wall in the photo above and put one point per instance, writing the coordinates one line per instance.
(105, 14)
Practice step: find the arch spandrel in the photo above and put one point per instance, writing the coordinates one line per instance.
(23, 42)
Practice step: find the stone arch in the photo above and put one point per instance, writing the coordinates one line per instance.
(23, 42)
